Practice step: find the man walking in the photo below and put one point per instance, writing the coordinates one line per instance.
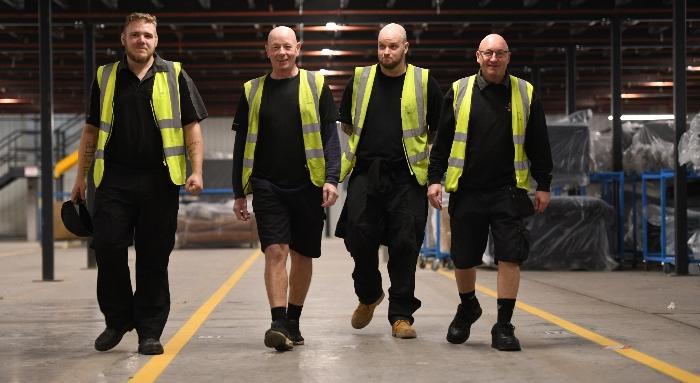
(492, 137)
(144, 115)
(388, 111)
(286, 154)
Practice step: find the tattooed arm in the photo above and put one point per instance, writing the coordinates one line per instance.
(195, 151)
(86, 154)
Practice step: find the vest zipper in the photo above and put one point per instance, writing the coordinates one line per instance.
(155, 119)
(410, 168)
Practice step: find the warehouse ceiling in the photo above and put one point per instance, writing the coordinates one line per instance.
(221, 44)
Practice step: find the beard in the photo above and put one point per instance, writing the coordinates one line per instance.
(392, 64)
(139, 58)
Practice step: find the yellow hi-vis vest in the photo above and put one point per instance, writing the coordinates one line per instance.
(166, 110)
(310, 86)
(414, 97)
(520, 99)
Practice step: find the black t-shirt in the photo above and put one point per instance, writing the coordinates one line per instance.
(279, 151)
(135, 142)
(382, 132)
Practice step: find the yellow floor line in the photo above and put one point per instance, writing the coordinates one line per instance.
(638, 356)
(157, 364)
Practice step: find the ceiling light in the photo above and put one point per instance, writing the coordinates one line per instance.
(644, 117)
(331, 26)
(14, 101)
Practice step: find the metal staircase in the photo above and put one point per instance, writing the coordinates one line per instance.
(21, 148)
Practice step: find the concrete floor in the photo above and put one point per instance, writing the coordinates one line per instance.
(47, 328)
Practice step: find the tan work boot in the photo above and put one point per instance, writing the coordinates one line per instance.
(363, 313)
(403, 329)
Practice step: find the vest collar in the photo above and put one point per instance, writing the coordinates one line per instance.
(158, 65)
(482, 83)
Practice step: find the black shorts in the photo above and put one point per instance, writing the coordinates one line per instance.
(289, 216)
(472, 213)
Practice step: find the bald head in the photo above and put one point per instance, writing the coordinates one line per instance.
(282, 49)
(493, 40)
(392, 47)
(282, 33)
(393, 31)
(493, 57)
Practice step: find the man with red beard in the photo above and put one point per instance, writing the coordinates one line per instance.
(144, 115)
(286, 153)
(388, 110)
(492, 137)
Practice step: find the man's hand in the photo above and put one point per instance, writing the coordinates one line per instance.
(78, 192)
(435, 195)
(194, 184)
(347, 128)
(541, 201)
(240, 209)
(330, 195)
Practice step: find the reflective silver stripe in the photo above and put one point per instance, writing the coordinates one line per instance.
(248, 163)
(361, 94)
(460, 136)
(253, 89)
(105, 127)
(412, 133)
(174, 151)
(105, 78)
(174, 94)
(526, 100)
(251, 138)
(348, 154)
(311, 128)
(314, 153)
(520, 165)
(461, 89)
(418, 157)
(168, 123)
(99, 154)
(418, 74)
(455, 162)
(311, 77)
(518, 139)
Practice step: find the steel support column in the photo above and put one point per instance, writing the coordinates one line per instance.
(616, 92)
(46, 76)
(89, 43)
(570, 79)
(679, 111)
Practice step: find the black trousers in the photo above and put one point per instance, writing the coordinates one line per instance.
(393, 214)
(140, 208)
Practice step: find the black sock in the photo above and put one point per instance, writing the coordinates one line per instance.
(279, 313)
(468, 299)
(505, 310)
(294, 312)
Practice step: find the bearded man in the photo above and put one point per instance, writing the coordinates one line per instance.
(388, 111)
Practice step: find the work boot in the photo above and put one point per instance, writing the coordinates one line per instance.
(292, 326)
(460, 328)
(110, 338)
(402, 329)
(503, 337)
(363, 313)
(277, 336)
(150, 346)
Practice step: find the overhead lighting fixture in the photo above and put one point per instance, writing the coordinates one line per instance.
(657, 83)
(328, 52)
(644, 117)
(694, 68)
(14, 101)
(331, 26)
